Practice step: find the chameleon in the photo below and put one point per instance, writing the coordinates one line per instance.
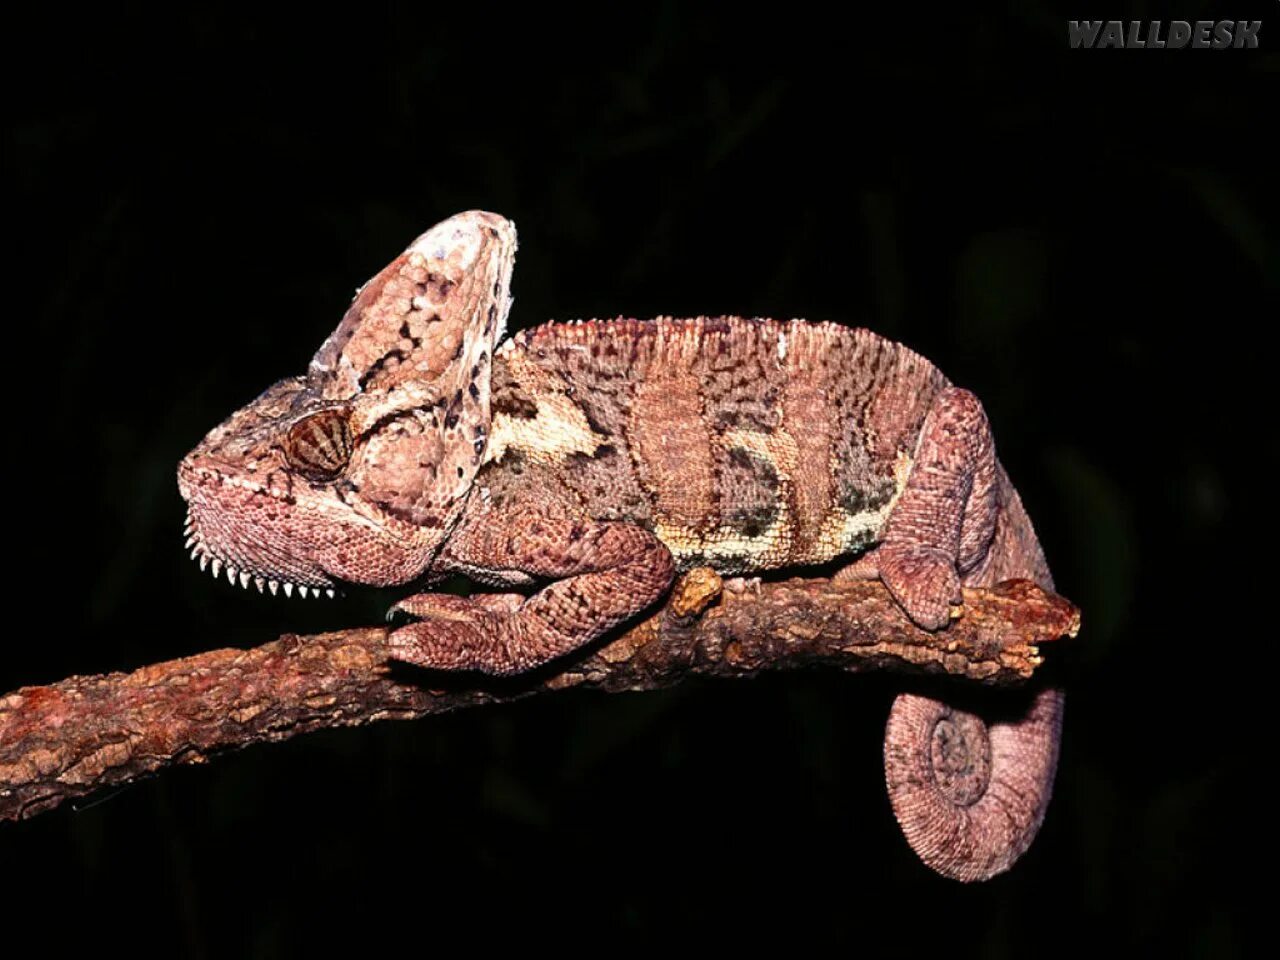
(576, 468)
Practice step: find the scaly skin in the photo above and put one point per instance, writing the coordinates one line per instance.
(594, 460)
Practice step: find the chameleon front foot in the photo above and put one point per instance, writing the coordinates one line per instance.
(458, 633)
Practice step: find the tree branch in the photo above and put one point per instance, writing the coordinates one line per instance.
(71, 738)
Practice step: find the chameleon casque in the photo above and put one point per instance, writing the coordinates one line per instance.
(587, 463)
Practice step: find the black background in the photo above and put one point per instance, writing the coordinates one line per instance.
(1088, 239)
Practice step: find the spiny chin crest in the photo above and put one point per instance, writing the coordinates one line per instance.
(225, 546)
(202, 553)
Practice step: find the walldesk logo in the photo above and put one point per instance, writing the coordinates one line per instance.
(1202, 35)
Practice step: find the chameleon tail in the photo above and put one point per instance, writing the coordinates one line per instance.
(970, 795)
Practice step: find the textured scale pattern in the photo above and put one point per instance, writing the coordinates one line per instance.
(743, 444)
(576, 467)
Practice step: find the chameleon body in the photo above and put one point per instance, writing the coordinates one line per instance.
(584, 464)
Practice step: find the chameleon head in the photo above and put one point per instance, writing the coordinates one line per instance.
(358, 470)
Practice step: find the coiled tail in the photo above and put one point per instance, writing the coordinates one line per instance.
(970, 796)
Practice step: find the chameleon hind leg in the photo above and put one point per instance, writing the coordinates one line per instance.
(969, 794)
(943, 523)
(602, 574)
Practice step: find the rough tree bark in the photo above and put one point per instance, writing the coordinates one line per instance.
(71, 738)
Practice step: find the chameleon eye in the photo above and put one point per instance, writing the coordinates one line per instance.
(319, 446)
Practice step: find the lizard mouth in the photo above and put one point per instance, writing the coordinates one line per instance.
(300, 539)
(218, 564)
